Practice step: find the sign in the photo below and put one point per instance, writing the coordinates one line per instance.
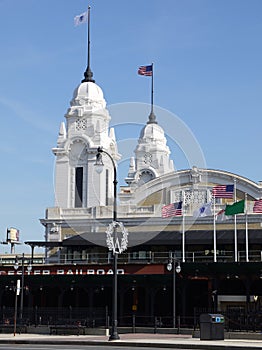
(12, 235)
(18, 287)
(101, 270)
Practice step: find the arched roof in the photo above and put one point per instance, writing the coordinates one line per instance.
(196, 177)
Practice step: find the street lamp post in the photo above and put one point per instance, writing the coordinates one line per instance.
(29, 268)
(17, 292)
(174, 264)
(99, 167)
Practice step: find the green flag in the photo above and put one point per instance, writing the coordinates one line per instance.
(236, 208)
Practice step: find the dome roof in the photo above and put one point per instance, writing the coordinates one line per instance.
(88, 93)
(152, 132)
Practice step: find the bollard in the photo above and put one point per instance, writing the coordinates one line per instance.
(155, 325)
(134, 323)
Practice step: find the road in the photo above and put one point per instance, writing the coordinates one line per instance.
(71, 347)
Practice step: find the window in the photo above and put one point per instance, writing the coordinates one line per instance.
(107, 173)
(78, 187)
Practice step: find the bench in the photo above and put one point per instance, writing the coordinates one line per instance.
(67, 330)
(10, 328)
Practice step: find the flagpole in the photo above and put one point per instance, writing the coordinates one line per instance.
(235, 220)
(152, 117)
(247, 257)
(183, 229)
(215, 239)
(183, 238)
(88, 73)
(88, 37)
(152, 91)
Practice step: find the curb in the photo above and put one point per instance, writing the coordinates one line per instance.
(131, 344)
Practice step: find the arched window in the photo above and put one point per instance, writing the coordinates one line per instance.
(78, 187)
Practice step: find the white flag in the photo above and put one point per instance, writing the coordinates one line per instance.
(220, 216)
(204, 210)
(81, 18)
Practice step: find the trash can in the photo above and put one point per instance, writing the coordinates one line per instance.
(212, 327)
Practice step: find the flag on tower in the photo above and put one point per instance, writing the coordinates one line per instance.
(173, 209)
(83, 18)
(223, 191)
(257, 206)
(145, 70)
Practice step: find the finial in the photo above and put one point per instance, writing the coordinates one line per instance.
(88, 73)
(88, 76)
(152, 118)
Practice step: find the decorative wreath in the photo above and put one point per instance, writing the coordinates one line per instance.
(116, 246)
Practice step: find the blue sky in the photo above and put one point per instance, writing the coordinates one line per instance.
(207, 56)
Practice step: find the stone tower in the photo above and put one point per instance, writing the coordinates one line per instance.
(77, 185)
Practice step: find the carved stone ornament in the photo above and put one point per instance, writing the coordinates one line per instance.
(195, 175)
(81, 124)
(113, 242)
(147, 158)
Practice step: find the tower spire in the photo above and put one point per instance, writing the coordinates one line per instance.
(88, 73)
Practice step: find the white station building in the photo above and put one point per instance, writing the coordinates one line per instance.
(84, 198)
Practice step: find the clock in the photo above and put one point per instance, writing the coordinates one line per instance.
(147, 158)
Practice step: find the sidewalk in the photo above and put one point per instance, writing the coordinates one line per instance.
(137, 340)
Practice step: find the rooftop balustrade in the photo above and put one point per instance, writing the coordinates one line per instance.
(137, 257)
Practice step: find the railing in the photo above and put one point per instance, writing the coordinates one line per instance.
(236, 318)
(152, 257)
(11, 260)
(155, 321)
(128, 210)
(86, 316)
(139, 257)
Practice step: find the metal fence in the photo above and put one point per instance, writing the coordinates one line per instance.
(136, 257)
(88, 317)
(155, 257)
(236, 318)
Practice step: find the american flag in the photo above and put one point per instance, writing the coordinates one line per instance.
(173, 209)
(145, 70)
(257, 206)
(223, 191)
